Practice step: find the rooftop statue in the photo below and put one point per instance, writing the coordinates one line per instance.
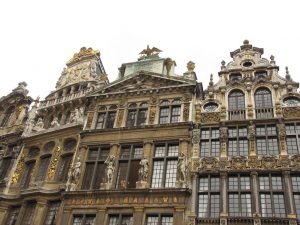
(150, 51)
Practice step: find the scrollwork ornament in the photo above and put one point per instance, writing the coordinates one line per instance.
(19, 170)
(269, 162)
(212, 117)
(238, 162)
(196, 136)
(209, 163)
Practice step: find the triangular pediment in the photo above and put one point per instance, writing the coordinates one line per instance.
(144, 81)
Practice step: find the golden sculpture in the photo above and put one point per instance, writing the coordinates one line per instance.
(84, 52)
(150, 51)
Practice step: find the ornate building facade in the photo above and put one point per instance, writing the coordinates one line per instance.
(153, 147)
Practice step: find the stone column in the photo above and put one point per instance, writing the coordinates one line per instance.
(223, 192)
(65, 216)
(40, 212)
(196, 141)
(138, 215)
(223, 141)
(251, 138)
(178, 218)
(282, 139)
(194, 194)
(291, 212)
(3, 213)
(183, 145)
(255, 197)
(100, 217)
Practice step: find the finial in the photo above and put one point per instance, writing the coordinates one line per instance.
(287, 73)
(272, 58)
(211, 82)
(246, 42)
(190, 66)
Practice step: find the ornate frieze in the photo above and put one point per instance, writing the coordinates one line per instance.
(211, 117)
(209, 163)
(291, 112)
(238, 162)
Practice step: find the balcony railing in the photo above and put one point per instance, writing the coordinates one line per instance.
(274, 221)
(264, 113)
(208, 221)
(75, 95)
(240, 221)
(239, 114)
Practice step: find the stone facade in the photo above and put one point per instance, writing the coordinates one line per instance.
(152, 147)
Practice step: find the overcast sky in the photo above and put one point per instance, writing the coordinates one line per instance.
(38, 37)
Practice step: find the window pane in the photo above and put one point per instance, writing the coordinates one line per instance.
(13, 215)
(276, 183)
(266, 205)
(264, 183)
(245, 183)
(89, 220)
(233, 204)
(121, 180)
(297, 204)
(43, 169)
(100, 121)
(164, 115)
(133, 173)
(137, 152)
(51, 214)
(296, 183)
(233, 183)
(142, 117)
(158, 168)
(279, 206)
(246, 205)
(78, 220)
(113, 220)
(203, 205)
(166, 220)
(292, 146)
(204, 148)
(173, 150)
(99, 175)
(160, 151)
(110, 119)
(261, 146)
(175, 114)
(171, 173)
(131, 118)
(215, 205)
(273, 146)
(215, 183)
(64, 168)
(29, 213)
(126, 220)
(152, 220)
(203, 184)
(87, 178)
(215, 148)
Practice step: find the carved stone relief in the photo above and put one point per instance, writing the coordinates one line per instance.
(54, 163)
(212, 117)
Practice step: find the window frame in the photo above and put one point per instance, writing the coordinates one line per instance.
(84, 216)
(210, 140)
(137, 109)
(170, 106)
(160, 217)
(267, 137)
(295, 135)
(107, 112)
(160, 182)
(56, 205)
(120, 218)
(237, 138)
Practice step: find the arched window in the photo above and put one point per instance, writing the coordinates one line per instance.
(236, 105)
(210, 107)
(291, 101)
(7, 116)
(263, 103)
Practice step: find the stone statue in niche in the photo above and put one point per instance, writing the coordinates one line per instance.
(75, 174)
(76, 116)
(110, 168)
(182, 167)
(93, 69)
(54, 122)
(29, 124)
(39, 125)
(144, 170)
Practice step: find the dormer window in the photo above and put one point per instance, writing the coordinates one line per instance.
(261, 74)
(235, 77)
(291, 101)
(211, 107)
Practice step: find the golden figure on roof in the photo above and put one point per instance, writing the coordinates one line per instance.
(150, 51)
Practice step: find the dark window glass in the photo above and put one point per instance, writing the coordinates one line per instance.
(292, 138)
(5, 167)
(120, 219)
(237, 141)
(49, 146)
(169, 113)
(95, 167)
(107, 118)
(263, 103)
(271, 194)
(165, 165)
(296, 192)
(209, 197)
(13, 215)
(27, 174)
(64, 168)
(29, 213)
(159, 220)
(44, 163)
(239, 195)
(236, 100)
(70, 144)
(291, 101)
(51, 213)
(266, 140)
(210, 143)
(84, 219)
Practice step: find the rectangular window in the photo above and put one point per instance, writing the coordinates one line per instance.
(271, 196)
(129, 165)
(94, 167)
(209, 197)
(106, 119)
(27, 174)
(239, 195)
(296, 192)
(6, 164)
(120, 219)
(210, 143)
(51, 213)
(44, 163)
(159, 220)
(84, 219)
(165, 165)
(237, 141)
(266, 140)
(64, 168)
(29, 213)
(13, 215)
(170, 113)
(292, 138)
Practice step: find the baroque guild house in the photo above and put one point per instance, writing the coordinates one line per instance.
(153, 147)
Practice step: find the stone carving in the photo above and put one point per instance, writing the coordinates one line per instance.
(110, 168)
(54, 162)
(89, 122)
(211, 117)
(251, 131)
(152, 114)
(281, 130)
(150, 51)
(29, 124)
(77, 115)
(54, 122)
(269, 162)
(278, 109)
(144, 170)
(223, 134)
(196, 136)
(186, 112)
(74, 175)
(19, 170)
(120, 117)
(182, 167)
(198, 114)
(291, 112)
(209, 163)
(238, 162)
(295, 161)
(39, 125)
(283, 162)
